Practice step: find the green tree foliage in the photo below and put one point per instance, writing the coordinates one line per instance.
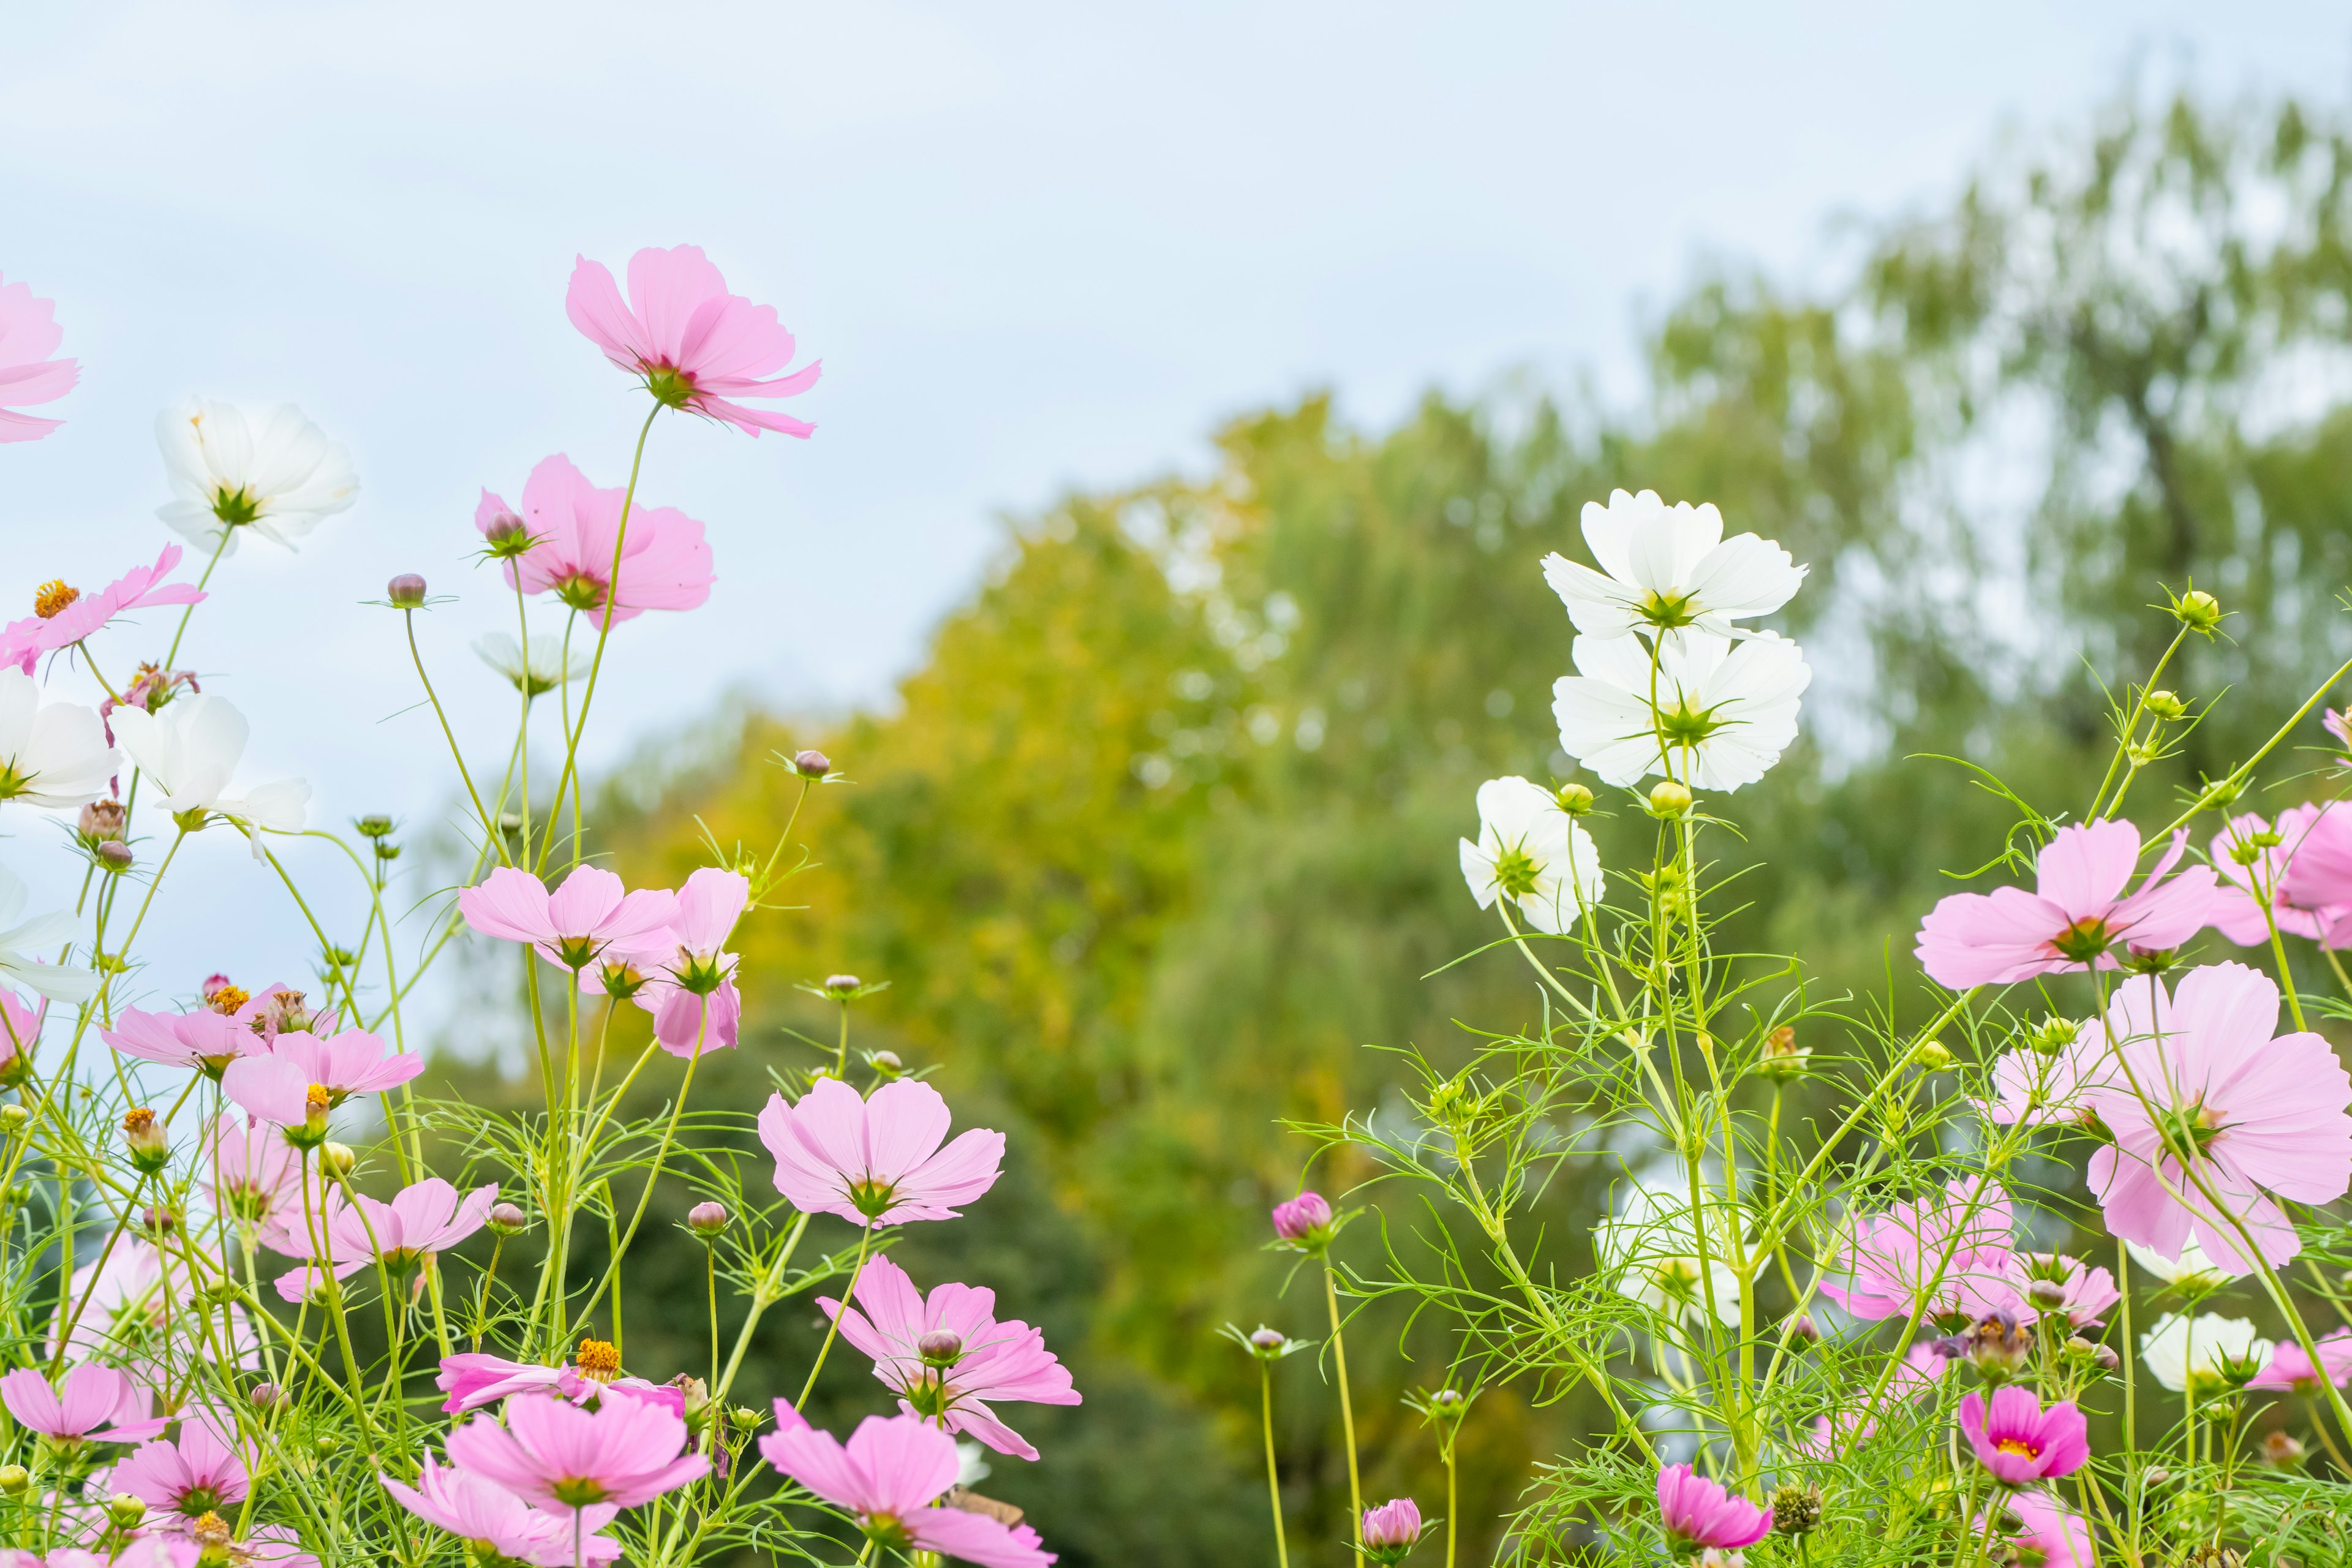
(1160, 834)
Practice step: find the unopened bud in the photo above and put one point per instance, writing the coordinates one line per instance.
(1669, 800)
(1266, 1340)
(115, 855)
(939, 1348)
(812, 764)
(1575, 799)
(407, 591)
(266, 1395)
(327, 1444)
(1448, 1404)
(126, 1509)
(1931, 1054)
(2154, 1476)
(15, 1480)
(841, 988)
(1784, 1057)
(158, 1219)
(13, 1119)
(2164, 705)
(2054, 1035)
(1796, 1510)
(887, 1063)
(336, 1159)
(2047, 1295)
(375, 825)
(2197, 610)
(1803, 1331)
(508, 1220)
(102, 820)
(2108, 1360)
(743, 1418)
(707, 1219)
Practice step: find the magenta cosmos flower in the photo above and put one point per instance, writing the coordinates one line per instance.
(692, 993)
(570, 926)
(198, 1474)
(695, 345)
(29, 334)
(2290, 1371)
(2018, 1441)
(878, 1161)
(890, 1472)
(2259, 1117)
(947, 1355)
(2308, 858)
(1699, 1513)
(1948, 1253)
(96, 1404)
(63, 615)
(203, 1039)
(478, 1510)
(573, 527)
(1391, 1529)
(554, 1454)
(2077, 913)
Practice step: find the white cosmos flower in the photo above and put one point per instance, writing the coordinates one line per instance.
(1651, 1255)
(2209, 1348)
(190, 752)
(278, 477)
(22, 939)
(2193, 1271)
(548, 667)
(1666, 568)
(1532, 853)
(55, 754)
(1726, 710)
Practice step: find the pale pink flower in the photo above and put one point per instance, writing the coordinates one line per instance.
(96, 1404)
(20, 1028)
(1948, 1253)
(2050, 1529)
(475, 1510)
(2265, 1116)
(275, 1087)
(947, 1355)
(664, 563)
(570, 926)
(2089, 1292)
(2018, 1441)
(1699, 1513)
(692, 994)
(1921, 1369)
(473, 1379)
(889, 1474)
(203, 1039)
(195, 1475)
(2290, 1371)
(878, 1161)
(249, 1171)
(564, 1458)
(67, 617)
(2046, 1091)
(423, 1220)
(279, 1009)
(2077, 915)
(2321, 834)
(29, 334)
(693, 343)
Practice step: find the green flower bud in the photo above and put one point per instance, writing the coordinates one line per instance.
(1669, 800)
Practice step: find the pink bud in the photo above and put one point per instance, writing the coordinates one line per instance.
(707, 1219)
(1393, 1528)
(1304, 1221)
(407, 591)
(812, 764)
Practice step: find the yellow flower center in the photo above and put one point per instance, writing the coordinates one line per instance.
(53, 597)
(318, 1098)
(598, 1359)
(2019, 1446)
(228, 999)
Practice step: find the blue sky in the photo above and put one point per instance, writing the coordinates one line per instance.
(1036, 246)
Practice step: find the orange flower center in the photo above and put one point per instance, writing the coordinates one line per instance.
(228, 999)
(2019, 1446)
(318, 1098)
(139, 1120)
(52, 597)
(599, 1360)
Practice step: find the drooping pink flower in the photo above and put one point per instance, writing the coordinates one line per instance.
(889, 1474)
(553, 1453)
(2018, 1441)
(29, 334)
(64, 617)
(1948, 1253)
(203, 1039)
(2048, 1527)
(570, 927)
(1699, 1513)
(878, 1161)
(691, 990)
(2255, 874)
(1304, 1221)
(665, 563)
(2290, 1370)
(249, 1171)
(695, 345)
(476, 1509)
(2260, 1117)
(473, 1379)
(947, 1355)
(273, 1010)
(193, 1475)
(96, 1404)
(2076, 916)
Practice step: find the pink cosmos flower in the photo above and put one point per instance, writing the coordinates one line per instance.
(878, 1161)
(472, 1379)
(2045, 1527)
(1831, 1436)
(20, 1028)
(2089, 1292)
(277, 1009)
(2290, 1370)
(1699, 1513)
(1305, 1220)
(2260, 1117)
(2018, 1441)
(947, 1355)
(590, 913)
(203, 1039)
(1947, 1254)
(2076, 915)
(249, 1171)
(29, 334)
(2316, 831)
(564, 1458)
(423, 1220)
(695, 345)
(66, 616)
(475, 1510)
(695, 974)
(664, 563)
(196, 1475)
(278, 1088)
(97, 1404)
(889, 1474)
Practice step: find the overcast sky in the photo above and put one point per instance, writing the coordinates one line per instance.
(1036, 247)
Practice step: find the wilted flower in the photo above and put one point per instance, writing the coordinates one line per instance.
(29, 334)
(1725, 711)
(1994, 1344)
(695, 346)
(280, 479)
(1532, 853)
